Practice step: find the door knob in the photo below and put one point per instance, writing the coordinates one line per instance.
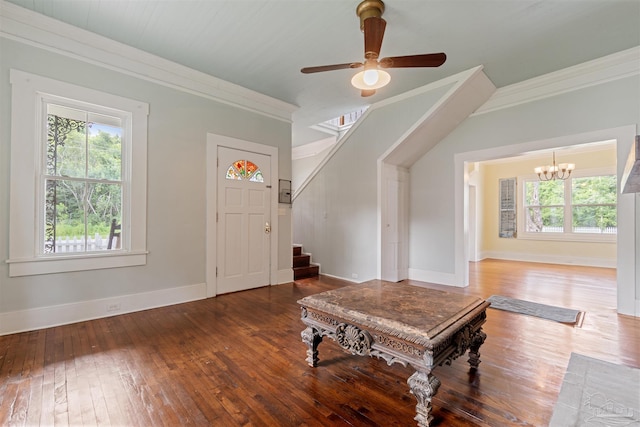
(267, 228)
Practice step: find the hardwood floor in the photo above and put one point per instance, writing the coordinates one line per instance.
(238, 360)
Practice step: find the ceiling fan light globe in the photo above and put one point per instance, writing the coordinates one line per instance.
(370, 77)
(383, 79)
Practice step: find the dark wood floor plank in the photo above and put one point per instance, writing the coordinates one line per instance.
(35, 401)
(18, 402)
(238, 359)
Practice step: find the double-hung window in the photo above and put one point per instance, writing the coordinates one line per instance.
(81, 178)
(582, 207)
(78, 178)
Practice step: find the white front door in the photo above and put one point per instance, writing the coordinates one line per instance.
(244, 220)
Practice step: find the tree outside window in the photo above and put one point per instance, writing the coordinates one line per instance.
(593, 202)
(78, 162)
(544, 206)
(585, 205)
(82, 179)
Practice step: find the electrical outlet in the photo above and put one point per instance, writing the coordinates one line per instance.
(354, 275)
(113, 307)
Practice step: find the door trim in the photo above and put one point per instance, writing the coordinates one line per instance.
(213, 142)
(401, 176)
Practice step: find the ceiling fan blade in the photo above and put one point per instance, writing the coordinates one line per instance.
(426, 60)
(373, 35)
(368, 92)
(308, 70)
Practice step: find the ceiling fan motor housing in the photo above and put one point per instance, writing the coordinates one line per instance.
(369, 9)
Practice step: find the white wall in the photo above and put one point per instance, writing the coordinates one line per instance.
(436, 229)
(306, 158)
(178, 125)
(335, 216)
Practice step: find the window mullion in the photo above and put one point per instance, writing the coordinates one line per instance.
(86, 183)
(568, 208)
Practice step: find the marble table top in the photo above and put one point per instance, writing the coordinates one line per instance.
(411, 312)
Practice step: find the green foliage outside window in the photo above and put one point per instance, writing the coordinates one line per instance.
(592, 204)
(84, 182)
(544, 202)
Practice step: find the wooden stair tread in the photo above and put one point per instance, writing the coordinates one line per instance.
(302, 265)
(306, 271)
(301, 260)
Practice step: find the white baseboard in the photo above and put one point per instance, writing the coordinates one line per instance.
(552, 259)
(46, 317)
(285, 276)
(436, 277)
(481, 255)
(343, 278)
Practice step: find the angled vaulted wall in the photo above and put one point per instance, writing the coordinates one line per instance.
(336, 210)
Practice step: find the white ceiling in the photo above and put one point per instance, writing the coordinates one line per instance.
(262, 44)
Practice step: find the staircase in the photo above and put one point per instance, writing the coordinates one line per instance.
(302, 267)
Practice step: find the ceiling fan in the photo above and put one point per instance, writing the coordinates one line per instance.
(373, 76)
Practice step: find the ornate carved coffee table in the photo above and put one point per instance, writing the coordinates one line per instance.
(399, 323)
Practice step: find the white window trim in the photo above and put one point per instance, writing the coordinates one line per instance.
(566, 236)
(24, 254)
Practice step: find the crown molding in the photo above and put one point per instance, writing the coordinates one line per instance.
(598, 71)
(34, 29)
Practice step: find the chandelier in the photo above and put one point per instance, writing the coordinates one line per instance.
(553, 172)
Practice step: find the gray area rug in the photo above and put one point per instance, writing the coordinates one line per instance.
(559, 314)
(595, 393)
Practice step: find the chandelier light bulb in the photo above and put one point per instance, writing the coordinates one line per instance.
(554, 171)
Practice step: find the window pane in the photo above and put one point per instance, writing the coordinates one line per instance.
(239, 165)
(105, 152)
(65, 147)
(544, 219)
(544, 193)
(251, 168)
(594, 190)
(104, 205)
(64, 216)
(257, 177)
(595, 219)
(232, 174)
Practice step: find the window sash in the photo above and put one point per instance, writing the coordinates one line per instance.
(568, 232)
(48, 238)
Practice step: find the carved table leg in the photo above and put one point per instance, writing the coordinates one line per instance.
(311, 337)
(474, 348)
(423, 386)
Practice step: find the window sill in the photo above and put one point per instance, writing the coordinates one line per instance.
(63, 264)
(570, 237)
